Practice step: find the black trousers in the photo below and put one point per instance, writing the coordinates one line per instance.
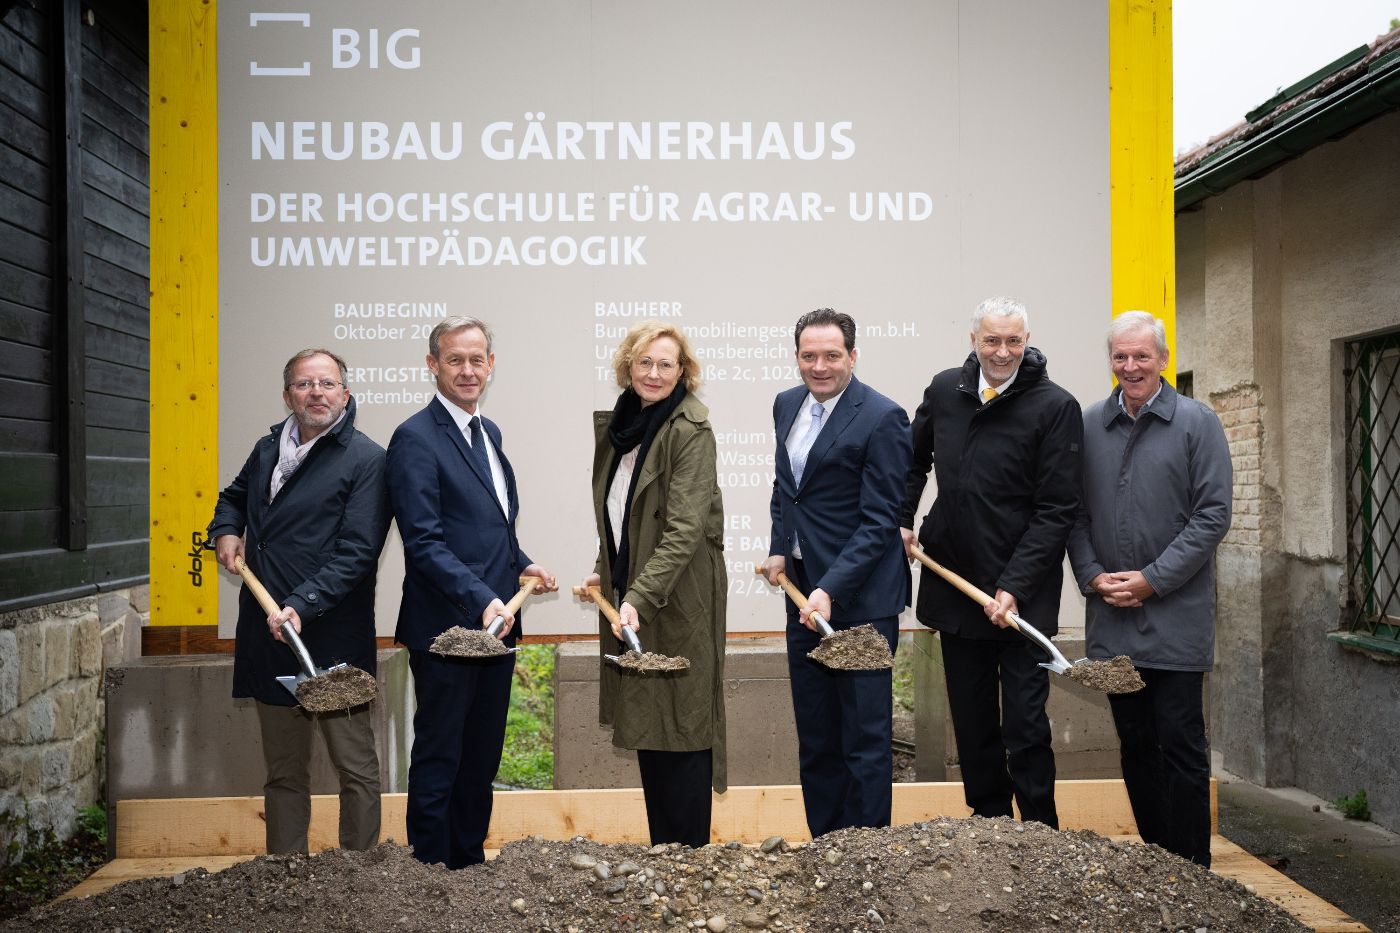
(676, 786)
(1166, 761)
(996, 696)
(459, 730)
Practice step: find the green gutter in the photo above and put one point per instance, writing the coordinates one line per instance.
(1309, 125)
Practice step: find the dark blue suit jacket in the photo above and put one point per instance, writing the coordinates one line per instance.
(845, 515)
(460, 549)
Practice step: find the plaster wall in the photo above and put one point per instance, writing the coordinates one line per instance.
(1274, 276)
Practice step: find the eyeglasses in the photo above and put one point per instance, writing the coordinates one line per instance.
(304, 385)
(646, 364)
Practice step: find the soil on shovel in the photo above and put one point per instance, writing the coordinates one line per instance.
(340, 688)
(861, 648)
(1115, 676)
(458, 642)
(647, 662)
(945, 875)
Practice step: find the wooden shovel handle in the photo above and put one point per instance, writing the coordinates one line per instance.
(255, 587)
(794, 594)
(528, 585)
(981, 598)
(597, 593)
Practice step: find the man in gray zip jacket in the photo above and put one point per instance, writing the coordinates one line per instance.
(1157, 489)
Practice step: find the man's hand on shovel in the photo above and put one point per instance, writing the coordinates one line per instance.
(1000, 605)
(287, 616)
(499, 610)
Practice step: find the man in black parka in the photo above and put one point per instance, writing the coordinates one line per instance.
(1004, 442)
(309, 512)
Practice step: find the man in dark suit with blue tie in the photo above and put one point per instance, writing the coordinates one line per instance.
(843, 452)
(454, 497)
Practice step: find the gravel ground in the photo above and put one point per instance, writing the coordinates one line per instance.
(953, 875)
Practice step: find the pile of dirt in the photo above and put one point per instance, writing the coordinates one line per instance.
(650, 663)
(944, 875)
(1115, 676)
(861, 648)
(458, 642)
(339, 688)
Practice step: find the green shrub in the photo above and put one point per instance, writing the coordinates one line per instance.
(1354, 807)
(528, 759)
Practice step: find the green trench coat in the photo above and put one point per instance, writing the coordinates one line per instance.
(678, 587)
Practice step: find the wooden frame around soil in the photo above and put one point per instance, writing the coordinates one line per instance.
(165, 837)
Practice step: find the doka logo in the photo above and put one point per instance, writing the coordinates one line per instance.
(196, 556)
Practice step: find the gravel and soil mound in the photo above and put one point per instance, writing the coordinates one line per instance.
(944, 875)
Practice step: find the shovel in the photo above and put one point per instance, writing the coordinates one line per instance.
(1057, 663)
(1115, 676)
(860, 637)
(528, 585)
(308, 669)
(628, 636)
(460, 642)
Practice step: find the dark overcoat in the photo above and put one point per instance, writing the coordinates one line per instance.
(315, 548)
(1008, 475)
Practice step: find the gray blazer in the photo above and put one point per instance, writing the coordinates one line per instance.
(1157, 494)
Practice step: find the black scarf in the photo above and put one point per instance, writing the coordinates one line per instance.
(632, 426)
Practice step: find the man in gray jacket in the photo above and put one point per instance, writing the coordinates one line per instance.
(1157, 487)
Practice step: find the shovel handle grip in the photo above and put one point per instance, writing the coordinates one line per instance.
(981, 598)
(800, 601)
(528, 585)
(609, 613)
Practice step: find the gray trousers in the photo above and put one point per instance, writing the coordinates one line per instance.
(287, 733)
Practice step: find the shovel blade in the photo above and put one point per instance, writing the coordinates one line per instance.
(290, 681)
(1055, 667)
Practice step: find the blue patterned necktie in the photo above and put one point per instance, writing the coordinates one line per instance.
(804, 447)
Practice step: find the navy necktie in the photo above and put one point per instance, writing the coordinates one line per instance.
(478, 440)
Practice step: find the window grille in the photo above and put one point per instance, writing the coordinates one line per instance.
(1373, 475)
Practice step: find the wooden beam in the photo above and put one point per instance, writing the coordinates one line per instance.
(184, 316)
(69, 360)
(236, 826)
(1142, 214)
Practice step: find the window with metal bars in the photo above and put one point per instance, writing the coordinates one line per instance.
(1373, 486)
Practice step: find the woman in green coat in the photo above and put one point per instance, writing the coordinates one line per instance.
(661, 562)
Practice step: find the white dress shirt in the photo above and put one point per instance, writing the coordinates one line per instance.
(800, 425)
(617, 493)
(463, 420)
(983, 385)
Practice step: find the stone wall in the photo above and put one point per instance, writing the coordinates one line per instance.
(52, 660)
(1274, 276)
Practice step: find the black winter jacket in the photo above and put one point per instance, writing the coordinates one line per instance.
(1008, 480)
(315, 548)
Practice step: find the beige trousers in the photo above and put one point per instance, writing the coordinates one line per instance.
(287, 733)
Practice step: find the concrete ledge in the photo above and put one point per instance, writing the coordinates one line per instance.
(762, 735)
(174, 731)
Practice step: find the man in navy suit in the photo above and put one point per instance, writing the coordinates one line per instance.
(454, 497)
(843, 452)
